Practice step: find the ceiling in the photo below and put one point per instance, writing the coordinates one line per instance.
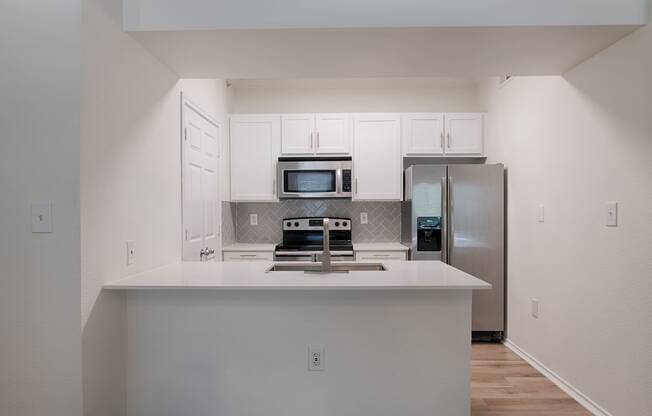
(378, 52)
(286, 14)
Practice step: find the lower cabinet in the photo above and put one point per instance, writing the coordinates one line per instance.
(381, 255)
(248, 256)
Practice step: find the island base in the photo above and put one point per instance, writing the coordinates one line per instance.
(245, 352)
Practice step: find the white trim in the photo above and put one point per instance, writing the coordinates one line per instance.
(568, 388)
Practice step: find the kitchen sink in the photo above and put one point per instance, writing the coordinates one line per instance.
(335, 267)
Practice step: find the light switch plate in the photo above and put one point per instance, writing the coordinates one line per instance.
(42, 217)
(363, 218)
(253, 219)
(612, 214)
(541, 213)
(535, 308)
(131, 252)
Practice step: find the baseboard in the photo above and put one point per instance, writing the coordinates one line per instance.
(577, 395)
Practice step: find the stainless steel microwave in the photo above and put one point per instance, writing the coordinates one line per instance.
(313, 177)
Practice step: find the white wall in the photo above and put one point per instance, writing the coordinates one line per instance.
(40, 337)
(572, 144)
(130, 186)
(351, 95)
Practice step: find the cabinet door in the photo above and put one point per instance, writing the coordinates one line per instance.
(464, 134)
(333, 134)
(297, 134)
(423, 134)
(377, 161)
(254, 152)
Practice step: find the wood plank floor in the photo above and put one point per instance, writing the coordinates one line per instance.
(503, 384)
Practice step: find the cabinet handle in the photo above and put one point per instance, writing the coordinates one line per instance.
(382, 255)
(274, 187)
(312, 144)
(441, 141)
(247, 255)
(317, 140)
(449, 140)
(356, 185)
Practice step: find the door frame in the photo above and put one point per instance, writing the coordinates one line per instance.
(187, 102)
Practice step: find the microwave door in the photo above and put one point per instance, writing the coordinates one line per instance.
(311, 183)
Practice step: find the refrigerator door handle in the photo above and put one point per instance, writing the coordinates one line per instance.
(444, 216)
(450, 231)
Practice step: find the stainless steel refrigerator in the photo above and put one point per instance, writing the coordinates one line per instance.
(456, 213)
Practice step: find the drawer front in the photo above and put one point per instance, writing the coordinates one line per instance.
(248, 256)
(380, 255)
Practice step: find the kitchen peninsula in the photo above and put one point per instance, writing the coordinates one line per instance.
(240, 338)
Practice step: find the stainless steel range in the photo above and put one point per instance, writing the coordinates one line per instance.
(303, 239)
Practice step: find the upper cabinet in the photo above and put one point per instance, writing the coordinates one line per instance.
(377, 161)
(423, 134)
(315, 134)
(254, 146)
(464, 134)
(297, 134)
(333, 134)
(443, 134)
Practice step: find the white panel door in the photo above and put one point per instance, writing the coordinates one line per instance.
(464, 134)
(297, 134)
(255, 142)
(377, 161)
(333, 134)
(423, 134)
(200, 179)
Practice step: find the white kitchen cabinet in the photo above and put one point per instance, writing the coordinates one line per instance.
(423, 134)
(315, 134)
(297, 134)
(333, 133)
(377, 161)
(255, 142)
(464, 133)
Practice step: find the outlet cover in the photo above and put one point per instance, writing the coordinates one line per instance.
(364, 219)
(253, 219)
(315, 358)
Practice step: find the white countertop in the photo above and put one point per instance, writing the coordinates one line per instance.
(379, 247)
(400, 275)
(249, 247)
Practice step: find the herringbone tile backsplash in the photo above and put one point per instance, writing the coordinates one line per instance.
(384, 223)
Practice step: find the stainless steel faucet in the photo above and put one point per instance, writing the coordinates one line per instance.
(326, 254)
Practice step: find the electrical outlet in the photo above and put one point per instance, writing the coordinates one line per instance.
(364, 219)
(612, 214)
(535, 308)
(253, 219)
(315, 358)
(131, 252)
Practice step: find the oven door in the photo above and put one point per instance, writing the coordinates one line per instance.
(310, 179)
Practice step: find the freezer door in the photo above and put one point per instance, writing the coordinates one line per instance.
(476, 208)
(428, 208)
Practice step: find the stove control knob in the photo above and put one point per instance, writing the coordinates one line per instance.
(289, 224)
(344, 224)
(296, 224)
(337, 224)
